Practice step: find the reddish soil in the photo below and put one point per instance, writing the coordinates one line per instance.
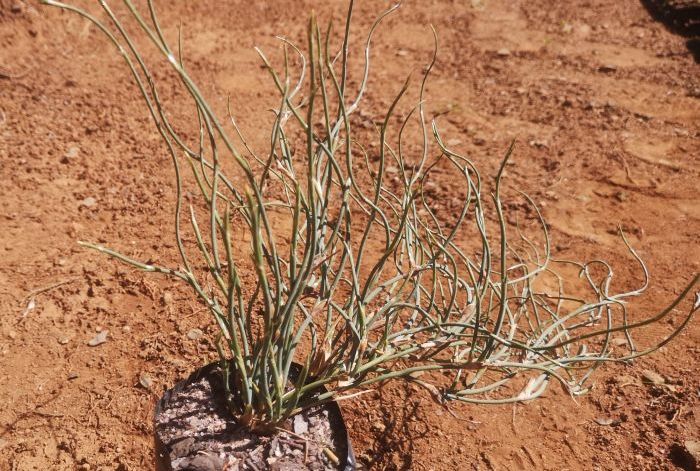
(604, 103)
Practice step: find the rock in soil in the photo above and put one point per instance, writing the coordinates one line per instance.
(145, 380)
(99, 339)
(194, 334)
(693, 449)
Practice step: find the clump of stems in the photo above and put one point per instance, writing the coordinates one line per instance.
(328, 268)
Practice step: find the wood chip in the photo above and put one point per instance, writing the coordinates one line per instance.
(331, 456)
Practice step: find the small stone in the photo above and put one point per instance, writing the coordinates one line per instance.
(604, 421)
(194, 334)
(300, 425)
(540, 144)
(392, 170)
(12, 334)
(453, 142)
(167, 297)
(608, 68)
(88, 202)
(17, 7)
(99, 339)
(72, 152)
(693, 449)
(126, 329)
(145, 380)
(619, 341)
(72, 376)
(64, 340)
(401, 53)
(503, 52)
(652, 377)
(584, 30)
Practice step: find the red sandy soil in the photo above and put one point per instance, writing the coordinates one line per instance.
(604, 104)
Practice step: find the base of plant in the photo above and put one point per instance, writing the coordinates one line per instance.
(194, 430)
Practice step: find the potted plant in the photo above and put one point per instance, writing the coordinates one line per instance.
(328, 265)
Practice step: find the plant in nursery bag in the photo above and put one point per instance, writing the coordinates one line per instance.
(330, 260)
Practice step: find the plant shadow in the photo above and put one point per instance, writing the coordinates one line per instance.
(681, 20)
(401, 427)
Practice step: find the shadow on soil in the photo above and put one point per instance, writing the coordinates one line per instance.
(681, 17)
(682, 458)
(393, 449)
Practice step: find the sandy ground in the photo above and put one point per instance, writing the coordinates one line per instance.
(603, 100)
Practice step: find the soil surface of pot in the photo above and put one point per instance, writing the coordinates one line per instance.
(195, 431)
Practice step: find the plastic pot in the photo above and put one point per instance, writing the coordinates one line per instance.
(163, 451)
